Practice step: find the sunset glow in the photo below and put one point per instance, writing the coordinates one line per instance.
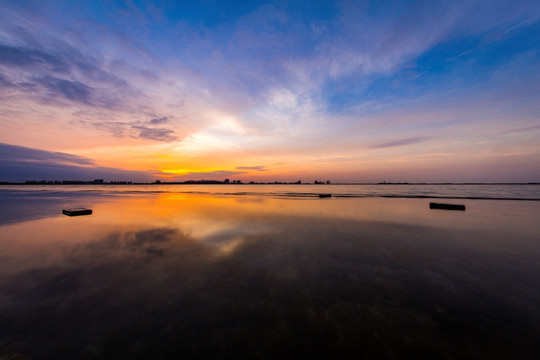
(346, 91)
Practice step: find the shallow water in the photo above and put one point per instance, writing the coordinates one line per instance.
(175, 275)
(455, 191)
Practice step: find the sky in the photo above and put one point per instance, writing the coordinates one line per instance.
(352, 91)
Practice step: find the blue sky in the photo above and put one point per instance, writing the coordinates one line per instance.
(352, 91)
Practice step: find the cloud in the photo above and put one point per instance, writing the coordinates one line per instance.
(116, 128)
(158, 121)
(28, 155)
(403, 142)
(216, 174)
(18, 163)
(155, 134)
(4, 82)
(524, 129)
(71, 90)
(138, 129)
(61, 74)
(61, 60)
(259, 168)
(31, 59)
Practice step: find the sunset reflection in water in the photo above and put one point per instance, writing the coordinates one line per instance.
(168, 275)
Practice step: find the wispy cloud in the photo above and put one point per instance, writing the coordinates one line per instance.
(402, 142)
(210, 175)
(63, 76)
(32, 59)
(70, 90)
(258, 168)
(158, 121)
(525, 129)
(155, 134)
(139, 129)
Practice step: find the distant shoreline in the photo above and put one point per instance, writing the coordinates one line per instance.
(216, 182)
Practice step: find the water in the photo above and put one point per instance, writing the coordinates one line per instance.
(260, 271)
(455, 191)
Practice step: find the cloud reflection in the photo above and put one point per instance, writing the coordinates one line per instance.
(164, 276)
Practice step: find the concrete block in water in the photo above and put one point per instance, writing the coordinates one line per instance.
(446, 206)
(77, 212)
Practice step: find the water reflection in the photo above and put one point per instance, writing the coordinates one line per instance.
(169, 276)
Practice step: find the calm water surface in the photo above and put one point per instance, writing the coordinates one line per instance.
(458, 191)
(196, 275)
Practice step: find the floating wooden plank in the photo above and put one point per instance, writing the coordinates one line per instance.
(77, 212)
(446, 206)
(325, 195)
